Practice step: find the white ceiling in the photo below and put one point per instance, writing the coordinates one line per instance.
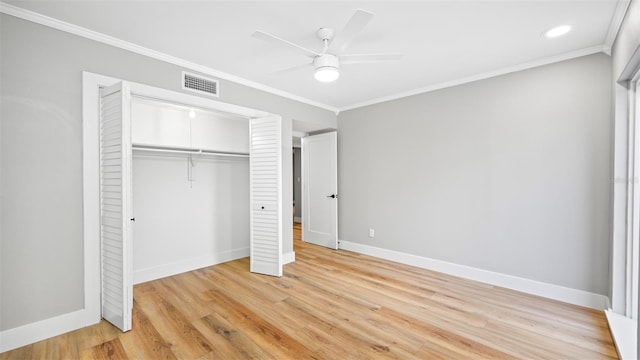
(445, 42)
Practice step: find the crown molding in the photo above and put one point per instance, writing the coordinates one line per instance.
(614, 25)
(115, 42)
(482, 76)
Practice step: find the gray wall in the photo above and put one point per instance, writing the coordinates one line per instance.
(297, 185)
(41, 271)
(182, 224)
(509, 174)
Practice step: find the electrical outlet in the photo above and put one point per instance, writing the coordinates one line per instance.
(372, 233)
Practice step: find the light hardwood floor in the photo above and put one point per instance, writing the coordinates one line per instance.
(334, 305)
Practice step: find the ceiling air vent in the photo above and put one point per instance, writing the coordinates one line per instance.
(199, 84)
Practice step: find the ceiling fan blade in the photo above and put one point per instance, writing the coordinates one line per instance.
(354, 26)
(369, 58)
(261, 35)
(292, 69)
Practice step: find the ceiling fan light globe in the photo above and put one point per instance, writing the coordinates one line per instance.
(327, 74)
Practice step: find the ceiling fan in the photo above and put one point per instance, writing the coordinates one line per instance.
(326, 63)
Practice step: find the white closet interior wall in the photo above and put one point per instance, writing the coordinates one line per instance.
(191, 211)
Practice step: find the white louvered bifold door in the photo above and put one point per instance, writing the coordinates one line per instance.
(115, 205)
(266, 196)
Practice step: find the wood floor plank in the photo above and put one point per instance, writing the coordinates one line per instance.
(91, 336)
(24, 352)
(110, 350)
(184, 340)
(325, 336)
(357, 319)
(258, 330)
(344, 329)
(229, 342)
(144, 340)
(191, 305)
(64, 346)
(335, 305)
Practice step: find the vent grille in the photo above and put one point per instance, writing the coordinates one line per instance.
(199, 84)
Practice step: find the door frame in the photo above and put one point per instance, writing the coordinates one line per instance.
(91, 84)
(305, 164)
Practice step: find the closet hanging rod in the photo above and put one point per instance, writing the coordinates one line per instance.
(187, 151)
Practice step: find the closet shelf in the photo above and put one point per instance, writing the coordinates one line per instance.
(190, 151)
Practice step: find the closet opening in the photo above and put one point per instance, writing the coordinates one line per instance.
(188, 172)
(190, 176)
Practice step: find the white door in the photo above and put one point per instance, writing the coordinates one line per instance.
(320, 189)
(115, 205)
(265, 168)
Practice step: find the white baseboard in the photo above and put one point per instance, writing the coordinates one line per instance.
(551, 291)
(28, 334)
(288, 257)
(623, 331)
(297, 219)
(158, 272)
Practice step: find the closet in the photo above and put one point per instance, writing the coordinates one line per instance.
(190, 188)
(206, 188)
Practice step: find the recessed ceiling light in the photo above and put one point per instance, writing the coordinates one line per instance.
(557, 31)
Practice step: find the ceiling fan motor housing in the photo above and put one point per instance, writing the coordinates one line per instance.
(326, 61)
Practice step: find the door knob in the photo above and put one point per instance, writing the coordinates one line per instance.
(333, 196)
